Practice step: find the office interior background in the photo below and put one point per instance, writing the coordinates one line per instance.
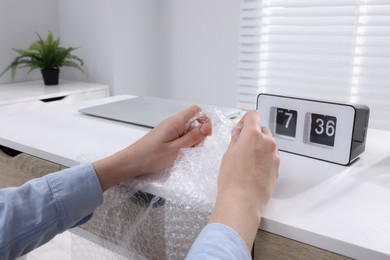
(221, 52)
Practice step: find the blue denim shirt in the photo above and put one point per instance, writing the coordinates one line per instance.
(32, 214)
(218, 241)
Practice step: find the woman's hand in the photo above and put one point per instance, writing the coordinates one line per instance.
(155, 151)
(247, 177)
(158, 149)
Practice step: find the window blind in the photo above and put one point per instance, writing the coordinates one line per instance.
(336, 50)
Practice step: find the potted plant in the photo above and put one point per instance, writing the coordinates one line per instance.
(46, 55)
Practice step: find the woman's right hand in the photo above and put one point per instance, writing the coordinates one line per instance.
(247, 177)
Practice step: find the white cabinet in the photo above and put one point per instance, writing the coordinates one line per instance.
(17, 169)
(34, 94)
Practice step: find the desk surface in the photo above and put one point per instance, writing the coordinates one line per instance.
(342, 209)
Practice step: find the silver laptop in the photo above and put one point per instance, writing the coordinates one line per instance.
(145, 111)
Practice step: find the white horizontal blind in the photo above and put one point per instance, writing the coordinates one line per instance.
(337, 50)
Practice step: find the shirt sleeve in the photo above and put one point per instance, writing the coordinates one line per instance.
(218, 241)
(32, 214)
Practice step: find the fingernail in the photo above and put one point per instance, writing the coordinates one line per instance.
(205, 129)
(237, 129)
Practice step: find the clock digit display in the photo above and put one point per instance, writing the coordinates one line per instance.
(323, 129)
(286, 122)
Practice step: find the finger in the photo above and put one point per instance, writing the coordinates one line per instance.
(236, 132)
(199, 119)
(266, 130)
(252, 120)
(185, 115)
(247, 117)
(194, 136)
(242, 119)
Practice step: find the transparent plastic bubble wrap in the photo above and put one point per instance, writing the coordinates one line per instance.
(134, 224)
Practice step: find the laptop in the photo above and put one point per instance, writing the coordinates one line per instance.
(146, 111)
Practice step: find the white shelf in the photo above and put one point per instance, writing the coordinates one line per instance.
(29, 95)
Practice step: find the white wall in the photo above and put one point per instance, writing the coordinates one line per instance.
(20, 20)
(184, 49)
(87, 25)
(201, 50)
(137, 41)
(118, 42)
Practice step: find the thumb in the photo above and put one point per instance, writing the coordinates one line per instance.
(194, 136)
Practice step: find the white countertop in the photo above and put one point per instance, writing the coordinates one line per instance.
(344, 209)
(61, 134)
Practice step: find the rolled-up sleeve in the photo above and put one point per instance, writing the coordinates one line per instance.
(218, 241)
(32, 214)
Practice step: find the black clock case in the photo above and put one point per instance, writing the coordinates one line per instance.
(360, 127)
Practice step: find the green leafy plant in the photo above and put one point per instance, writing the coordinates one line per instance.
(44, 54)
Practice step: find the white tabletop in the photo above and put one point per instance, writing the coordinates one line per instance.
(62, 134)
(344, 209)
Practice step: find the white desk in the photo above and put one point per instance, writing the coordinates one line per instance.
(341, 209)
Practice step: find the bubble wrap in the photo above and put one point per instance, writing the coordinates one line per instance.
(134, 224)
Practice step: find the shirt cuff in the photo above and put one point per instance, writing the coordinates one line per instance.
(77, 193)
(218, 241)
